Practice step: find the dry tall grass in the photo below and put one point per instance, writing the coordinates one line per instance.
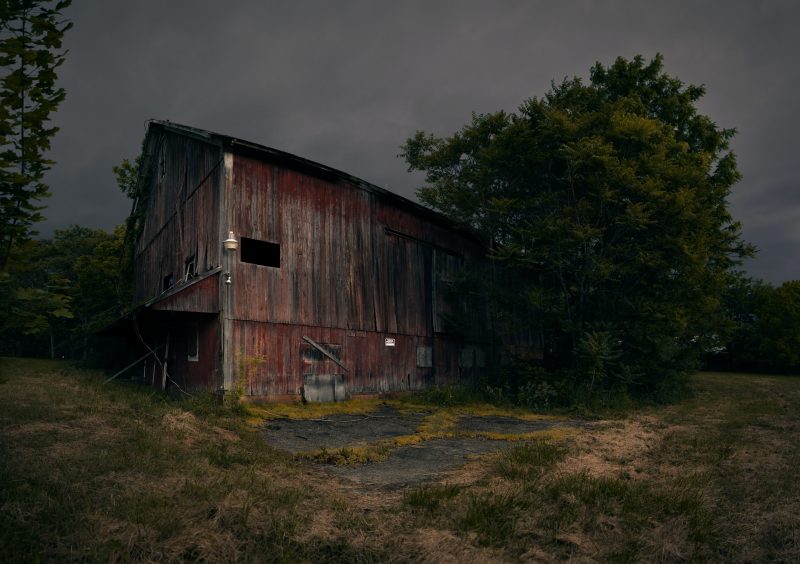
(119, 473)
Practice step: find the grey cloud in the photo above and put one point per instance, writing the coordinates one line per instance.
(345, 83)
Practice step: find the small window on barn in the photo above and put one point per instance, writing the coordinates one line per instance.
(264, 253)
(169, 282)
(193, 343)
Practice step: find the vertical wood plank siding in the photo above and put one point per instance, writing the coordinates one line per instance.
(269, 360)
(200, 374)
(355, 268)
(189, 375)
(181, 212)
(199, 297)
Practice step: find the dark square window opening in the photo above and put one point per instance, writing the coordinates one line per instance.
(264, 253)
(169, 282)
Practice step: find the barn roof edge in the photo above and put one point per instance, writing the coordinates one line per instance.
(245, 147)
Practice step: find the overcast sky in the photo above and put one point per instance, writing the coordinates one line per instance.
(345, 83)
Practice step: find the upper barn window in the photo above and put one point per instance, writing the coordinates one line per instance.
(261, 252)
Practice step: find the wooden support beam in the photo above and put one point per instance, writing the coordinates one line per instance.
(321, 349)
(134, 363)
(164, 367)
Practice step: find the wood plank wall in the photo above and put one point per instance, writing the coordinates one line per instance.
(355, 269)
(181, 218)
(340, 267)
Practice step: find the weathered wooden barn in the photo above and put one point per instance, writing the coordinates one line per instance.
(266, 274)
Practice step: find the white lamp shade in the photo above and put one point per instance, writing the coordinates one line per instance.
(230, 244)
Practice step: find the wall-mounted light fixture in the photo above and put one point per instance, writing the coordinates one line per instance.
(230, 244)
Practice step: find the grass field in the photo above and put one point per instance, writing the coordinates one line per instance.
(117, 473)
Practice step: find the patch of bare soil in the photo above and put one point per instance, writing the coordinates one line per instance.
(507, 425)
(415, 463)
(189, 429)
(337, 431)
(613, 449)
(405, 465)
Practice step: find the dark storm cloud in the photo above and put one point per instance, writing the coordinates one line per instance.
(344, 83)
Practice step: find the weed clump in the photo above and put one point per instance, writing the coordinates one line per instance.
(529, 460)
(492, 517)
(427, 498)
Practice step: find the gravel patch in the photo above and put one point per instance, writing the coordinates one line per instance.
(405, 465)
(416, 463)
(337, 431)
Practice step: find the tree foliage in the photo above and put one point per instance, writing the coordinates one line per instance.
(606, 202)
(127, 174)
(31, 34)
(59, 292)
(766, 327)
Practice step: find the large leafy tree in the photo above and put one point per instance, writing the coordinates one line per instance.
(31, 33)
(605, 202)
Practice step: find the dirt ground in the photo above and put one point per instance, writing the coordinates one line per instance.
(405, 464)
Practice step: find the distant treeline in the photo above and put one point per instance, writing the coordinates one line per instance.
(764, 331)
(58, 293)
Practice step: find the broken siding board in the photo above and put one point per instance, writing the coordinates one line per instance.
(328, 351)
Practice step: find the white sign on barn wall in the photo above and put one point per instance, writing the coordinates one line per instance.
(389, 341)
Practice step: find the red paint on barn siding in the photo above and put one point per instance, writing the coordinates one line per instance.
(178, 329)
(201, 296)
(358, 265)
(339, 265)
(202, 373)
(270, 359)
